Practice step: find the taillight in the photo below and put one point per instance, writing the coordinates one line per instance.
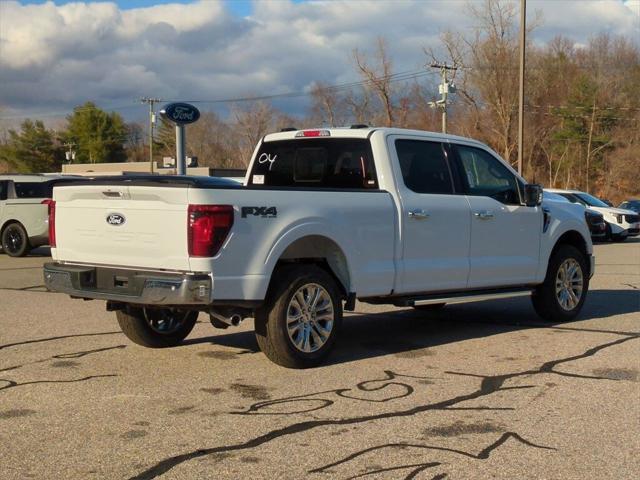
(51, 205)
(208, 228)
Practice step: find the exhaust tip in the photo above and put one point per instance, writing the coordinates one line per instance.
(235, 319)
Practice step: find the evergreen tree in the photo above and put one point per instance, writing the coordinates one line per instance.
(32, 150)
(98, 136)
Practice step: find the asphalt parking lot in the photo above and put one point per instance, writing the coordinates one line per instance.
(470, 392)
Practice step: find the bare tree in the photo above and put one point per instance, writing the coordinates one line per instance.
(327, 105)
(250, 124)
(378, 77)
(489, 71)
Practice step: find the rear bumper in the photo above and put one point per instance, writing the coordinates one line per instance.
(129, 286)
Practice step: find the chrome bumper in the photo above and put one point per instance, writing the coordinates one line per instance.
(128, 286)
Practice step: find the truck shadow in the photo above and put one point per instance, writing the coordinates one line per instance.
(410, 333)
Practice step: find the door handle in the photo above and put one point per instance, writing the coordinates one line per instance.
(486, 215)
(418, 214)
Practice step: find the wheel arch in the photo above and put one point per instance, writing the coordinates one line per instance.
(9, 222)
(322, 251)
(575, 239)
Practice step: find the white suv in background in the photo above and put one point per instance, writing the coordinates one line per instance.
(621, 223)
(24, 220)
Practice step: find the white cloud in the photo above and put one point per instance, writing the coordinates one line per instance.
(54, 57)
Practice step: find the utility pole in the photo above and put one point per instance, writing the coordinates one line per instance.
(445, 88)
(152, 122)
(523, 33)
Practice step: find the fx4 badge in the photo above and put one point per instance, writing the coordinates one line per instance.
(264, 212)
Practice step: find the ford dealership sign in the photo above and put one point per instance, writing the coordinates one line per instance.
(180, 113)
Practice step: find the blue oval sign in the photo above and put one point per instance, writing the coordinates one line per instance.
(180, 113)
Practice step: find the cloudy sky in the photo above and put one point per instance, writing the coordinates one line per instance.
(54, 55)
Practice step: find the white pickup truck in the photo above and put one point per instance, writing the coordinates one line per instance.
(324, 217)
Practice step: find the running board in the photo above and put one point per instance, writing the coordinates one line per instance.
(475, 297)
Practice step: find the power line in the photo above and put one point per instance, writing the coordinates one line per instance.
(396, 77)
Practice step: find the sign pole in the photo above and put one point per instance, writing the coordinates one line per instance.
(181, 161)
(180, 114)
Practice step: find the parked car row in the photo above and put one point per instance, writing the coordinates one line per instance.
(621, 223)
(24, 203)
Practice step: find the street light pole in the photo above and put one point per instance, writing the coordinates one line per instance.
(523, 31)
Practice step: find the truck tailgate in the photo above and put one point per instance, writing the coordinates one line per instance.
(128, 225)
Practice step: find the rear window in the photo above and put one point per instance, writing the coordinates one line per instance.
(33, 189)
(335, 163)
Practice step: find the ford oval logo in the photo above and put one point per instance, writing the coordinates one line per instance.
(180, 113)
(116, 219)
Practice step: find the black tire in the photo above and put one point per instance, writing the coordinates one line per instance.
(430, 308)
(271, 330)
(608, 236)
(15, 241)
(545, 299)
(144, 326)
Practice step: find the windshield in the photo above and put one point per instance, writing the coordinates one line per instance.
(632, 204)
(554, 196)
(591, 200)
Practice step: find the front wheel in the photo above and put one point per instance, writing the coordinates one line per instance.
(298, 324)
(156, 327)
(15, 241)
(561, 296)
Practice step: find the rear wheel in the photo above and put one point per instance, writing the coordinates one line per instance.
(15, 241)
(561, 296)
(298, 324)
(156, 327)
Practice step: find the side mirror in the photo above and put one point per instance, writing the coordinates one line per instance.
(532, 194)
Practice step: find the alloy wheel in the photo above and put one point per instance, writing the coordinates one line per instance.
(310, 318)
(569, 284)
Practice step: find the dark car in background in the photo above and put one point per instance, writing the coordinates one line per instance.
(631, 205)
(595, 220)
(596, 223)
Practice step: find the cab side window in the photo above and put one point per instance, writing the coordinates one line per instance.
(484, 175)
(424, 166)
